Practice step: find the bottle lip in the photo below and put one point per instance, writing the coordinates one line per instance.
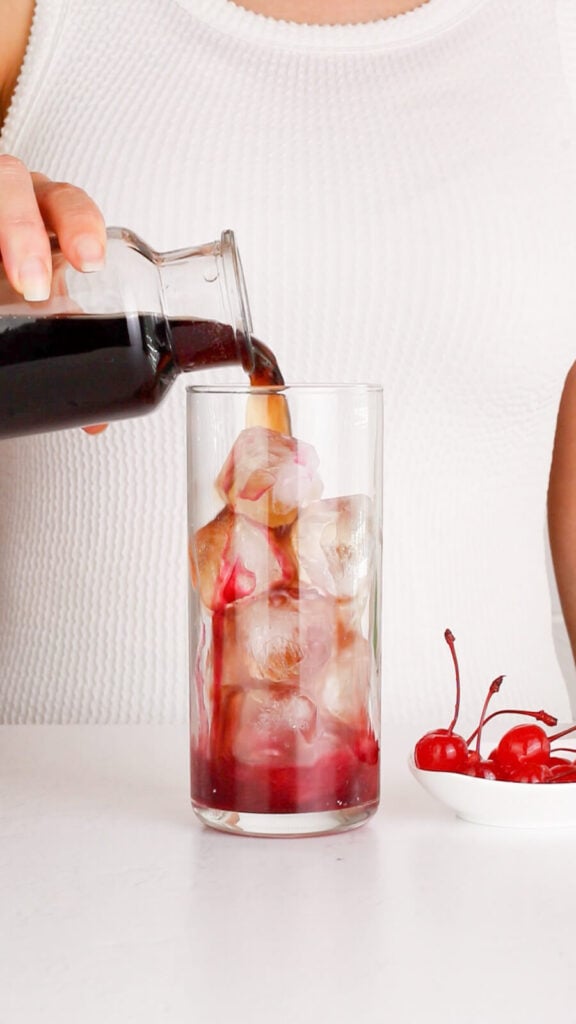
(274, 389)
(238, 295)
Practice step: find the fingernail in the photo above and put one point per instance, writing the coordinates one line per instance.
(34, 280)
(90, 253)
(95, 428)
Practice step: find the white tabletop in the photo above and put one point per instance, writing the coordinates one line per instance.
(116, 906)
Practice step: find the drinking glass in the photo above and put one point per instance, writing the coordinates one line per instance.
(284, 517)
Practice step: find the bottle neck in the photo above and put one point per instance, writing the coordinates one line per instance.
(203, 292)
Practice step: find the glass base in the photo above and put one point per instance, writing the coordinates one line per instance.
(285, 826)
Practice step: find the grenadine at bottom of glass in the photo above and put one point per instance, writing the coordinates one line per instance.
(337, 792)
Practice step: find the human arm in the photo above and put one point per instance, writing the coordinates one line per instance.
(562, 505)
(31, 205)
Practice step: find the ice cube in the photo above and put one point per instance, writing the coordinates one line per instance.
(342, 689)
(333, 540)
(233, 557)
(269, 476)
(282, 637)
(267, 725)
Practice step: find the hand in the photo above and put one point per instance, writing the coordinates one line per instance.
(31, 206)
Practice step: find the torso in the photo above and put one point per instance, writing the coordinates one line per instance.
(403, 200)
(16, 19)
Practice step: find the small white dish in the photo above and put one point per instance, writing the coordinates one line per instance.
(507, 804)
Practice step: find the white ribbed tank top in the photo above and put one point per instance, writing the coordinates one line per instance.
(404, 198)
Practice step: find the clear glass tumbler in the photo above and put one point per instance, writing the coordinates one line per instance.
(285, 506)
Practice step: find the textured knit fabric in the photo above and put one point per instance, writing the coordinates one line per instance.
(404, 197)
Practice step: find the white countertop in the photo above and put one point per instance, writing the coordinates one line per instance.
(117, 906)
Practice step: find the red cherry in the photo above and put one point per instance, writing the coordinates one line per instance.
(523, 754)
(441, 751)
(528, 771)
(523, 743)
(482, 769)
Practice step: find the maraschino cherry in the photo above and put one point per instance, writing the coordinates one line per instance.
(443, 750)
(527, 771)
(554, 761)
(524, 753)
(523, 743)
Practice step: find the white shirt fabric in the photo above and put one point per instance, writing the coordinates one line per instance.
(403, 194)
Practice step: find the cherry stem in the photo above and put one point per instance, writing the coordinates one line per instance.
(563, 775)
(493, 688)
(540, 716)
(449, 638)
(559, 735)
(569, 750)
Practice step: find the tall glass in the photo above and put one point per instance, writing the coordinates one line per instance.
(285, 561)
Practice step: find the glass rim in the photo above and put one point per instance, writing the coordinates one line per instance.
(275, 389)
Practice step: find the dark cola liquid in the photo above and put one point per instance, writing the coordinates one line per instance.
(59, 372)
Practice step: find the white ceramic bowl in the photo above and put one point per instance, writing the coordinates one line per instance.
(508, 804)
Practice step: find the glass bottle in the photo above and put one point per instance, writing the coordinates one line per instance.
(108, 345)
